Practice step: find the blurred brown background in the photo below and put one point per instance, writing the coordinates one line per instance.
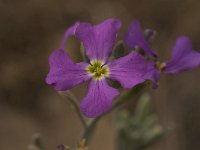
(31, 29)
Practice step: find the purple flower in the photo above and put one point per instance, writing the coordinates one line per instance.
(183, 56)
(135, 37)
(98, 41)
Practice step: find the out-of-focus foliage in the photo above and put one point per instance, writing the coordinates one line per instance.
(37, 143)
(139, 130)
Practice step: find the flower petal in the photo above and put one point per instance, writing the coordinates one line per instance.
(135, 37)
(64, 74)
(152, 74)
(183, 56)
(99, 39)
(70, 31)
(99, 98)
(128, 70)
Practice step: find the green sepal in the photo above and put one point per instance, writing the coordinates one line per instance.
(119, 50)
(83, 53)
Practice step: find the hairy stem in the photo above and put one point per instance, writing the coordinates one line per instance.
(74, 101)
(89, 130)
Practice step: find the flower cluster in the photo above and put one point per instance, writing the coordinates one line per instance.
(129, 70)
(183, 57)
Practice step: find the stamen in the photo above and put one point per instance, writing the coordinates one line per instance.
(161, 66)
(98, 70)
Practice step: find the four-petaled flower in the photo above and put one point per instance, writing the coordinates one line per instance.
(98, 41)
(183, 56)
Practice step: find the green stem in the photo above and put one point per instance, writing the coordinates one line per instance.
(74, 101)
(89, 130)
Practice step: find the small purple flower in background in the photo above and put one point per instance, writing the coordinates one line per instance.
(98, 41)
(183, 56)
(135, 37)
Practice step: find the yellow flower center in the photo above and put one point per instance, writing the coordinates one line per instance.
(97, 69)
